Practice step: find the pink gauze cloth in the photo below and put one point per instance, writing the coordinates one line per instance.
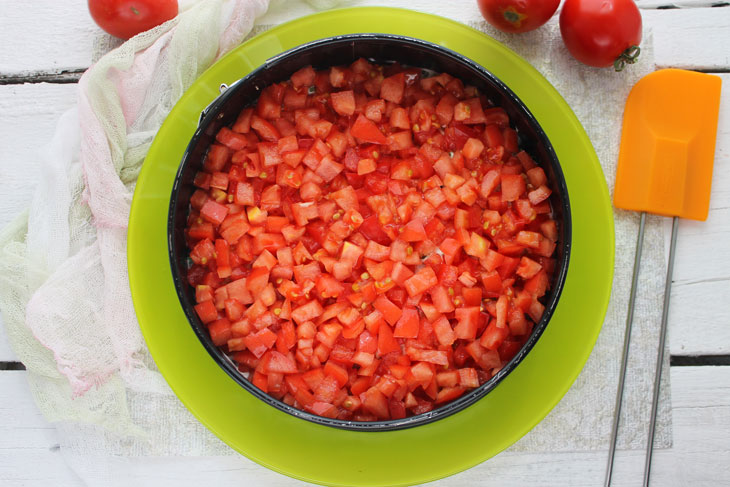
(122, 101)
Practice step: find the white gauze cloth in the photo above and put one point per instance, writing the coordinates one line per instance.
(64, 290)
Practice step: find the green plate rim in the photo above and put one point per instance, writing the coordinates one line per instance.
(315, 453)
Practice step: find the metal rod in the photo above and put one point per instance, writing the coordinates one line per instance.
(660, 354)
(625, 356)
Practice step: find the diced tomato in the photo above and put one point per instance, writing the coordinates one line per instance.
(264, 129)
(393, 87)
(303, 78)
(472, 148)
(328, 169)
(243, 122)
(231, 139)
(528, 268)
(386, 341)
(399, 118)
(421, 282)
(217, 157)
(366, 166)
(539, 195)
(369, 244)
(493, 336)
(306, 312)
(537, 285)
(343, 102)
(337, 372)
(367, 131)
(469, 111)
(445, 108)
(444, 332)
(513, 185)
(277, 363)
(390, 312)
(206, 311)
(213, 212)
(466, 328)
(528, 239)
(441, 299)
(413, 231)
(376, 403)
(536, 176)
(258, 343)
(408, 324)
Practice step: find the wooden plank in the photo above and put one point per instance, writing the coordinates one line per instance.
(30, 114)
(698, 319)
(690, 38)
(666, 4)
(680, 35)
(700, 455)
(28, 27)
(6, 353)
(29, 452)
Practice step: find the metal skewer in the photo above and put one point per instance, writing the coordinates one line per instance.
(660, 354)
(625, 356)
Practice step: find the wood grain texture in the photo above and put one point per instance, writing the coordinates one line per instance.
(27, 50)
(30, 113)
(699, 457)
(694, 38)
(26, 46)
(29, 452)
(6, 353)
(690, 38)
(699, 323)
(668, 4)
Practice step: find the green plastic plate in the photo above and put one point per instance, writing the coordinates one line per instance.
(330, 456)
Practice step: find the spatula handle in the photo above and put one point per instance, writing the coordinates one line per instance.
(625, 356)
(660, 354)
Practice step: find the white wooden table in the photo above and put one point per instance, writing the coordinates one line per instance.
(44, 48)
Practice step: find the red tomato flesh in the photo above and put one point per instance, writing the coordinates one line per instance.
(365, 250)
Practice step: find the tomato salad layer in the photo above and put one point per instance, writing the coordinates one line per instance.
(368, 243)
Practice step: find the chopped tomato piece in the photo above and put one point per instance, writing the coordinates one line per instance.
(213, 212)
(367, 131)
(421, 282)
(413, 231)
(466, 328)
(513, 185)
(206, 311)
(393, 88)
(390, 311)
(368, 244)
(408, 324)
(343, 102)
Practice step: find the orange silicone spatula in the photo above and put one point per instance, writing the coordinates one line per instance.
(664, 167)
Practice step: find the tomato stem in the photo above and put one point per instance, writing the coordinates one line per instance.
(629, 56)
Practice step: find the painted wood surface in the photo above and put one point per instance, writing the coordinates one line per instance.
(700, 455)
(43, 42)
(687, 37)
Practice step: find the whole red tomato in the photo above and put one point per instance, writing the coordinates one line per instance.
(127, 18)
(601, 33)
(517, 15)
